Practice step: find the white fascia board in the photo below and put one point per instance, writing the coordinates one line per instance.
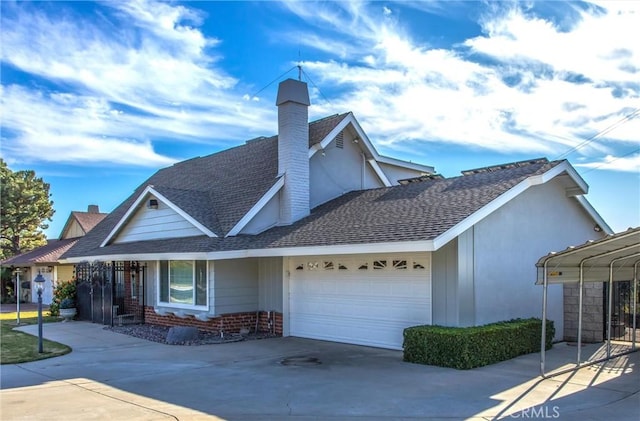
(126, 216)
(256, 208)
(133, 256)
(182, 213)
(376, 167)
(481, 213)
(150, 190)
(594, 214)
(330, 136)
(510, 194)
(406, 164)
(388, 247)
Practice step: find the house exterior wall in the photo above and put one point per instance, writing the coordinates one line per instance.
(270, 284)
(445, 285)
(150, 224)
(508, 243)
(74, 230)
(64, 272)
(395, 173)
(236, 286)
(266, 218)
(339, 170)
(592, 312)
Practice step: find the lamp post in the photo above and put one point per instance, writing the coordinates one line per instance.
(39, 286)
(17, 291)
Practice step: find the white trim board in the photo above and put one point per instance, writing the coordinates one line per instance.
(255, 209)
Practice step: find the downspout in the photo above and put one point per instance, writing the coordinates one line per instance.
(364, 163)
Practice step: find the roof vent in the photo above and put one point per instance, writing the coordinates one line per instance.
(152, 204)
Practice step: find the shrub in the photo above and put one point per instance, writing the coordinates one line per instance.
(64, 290)
(470, 347)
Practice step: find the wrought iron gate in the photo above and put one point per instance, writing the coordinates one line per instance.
(622, 311)
(110, 293)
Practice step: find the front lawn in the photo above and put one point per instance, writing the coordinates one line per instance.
(18, 347)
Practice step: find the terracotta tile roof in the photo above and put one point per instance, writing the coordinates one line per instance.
(49, 253)
(415, 211)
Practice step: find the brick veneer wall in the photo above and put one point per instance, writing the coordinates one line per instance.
(228, 323)
(592, 312)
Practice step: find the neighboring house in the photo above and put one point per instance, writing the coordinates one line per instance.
(44, 259)
(312, 233)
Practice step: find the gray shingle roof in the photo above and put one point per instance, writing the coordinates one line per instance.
(413, 212)
(216, 190)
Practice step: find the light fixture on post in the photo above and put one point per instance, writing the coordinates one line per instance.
(17, 291)
(39, 281)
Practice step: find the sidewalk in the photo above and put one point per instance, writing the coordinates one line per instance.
(12, 308)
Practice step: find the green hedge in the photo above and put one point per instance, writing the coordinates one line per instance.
(469, 347)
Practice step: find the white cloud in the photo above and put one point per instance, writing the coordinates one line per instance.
(130, 84)
(544, 90)
(629, 164)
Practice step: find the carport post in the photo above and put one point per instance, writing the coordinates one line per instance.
(580, 291)
(609, 309)
(543, 342)
(635, 304)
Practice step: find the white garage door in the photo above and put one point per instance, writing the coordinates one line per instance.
(365, 300)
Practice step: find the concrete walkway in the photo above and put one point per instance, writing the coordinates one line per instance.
(117, 377)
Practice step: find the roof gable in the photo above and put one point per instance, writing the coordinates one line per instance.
(153, 215)
(80, 223)
(421, 215)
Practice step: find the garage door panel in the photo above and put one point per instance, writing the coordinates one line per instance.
(367, 307)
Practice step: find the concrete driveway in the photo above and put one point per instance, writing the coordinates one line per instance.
(117, 377)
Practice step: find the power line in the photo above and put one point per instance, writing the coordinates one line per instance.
(273, 81)
(315, 86)
(613, 160)
(615, 125)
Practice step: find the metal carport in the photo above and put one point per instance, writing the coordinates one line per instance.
(610, 259)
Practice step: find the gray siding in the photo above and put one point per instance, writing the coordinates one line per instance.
(445, 285)
(270, 284)
(338, 171)
(151, 224)
(236, 285)
(266, 218)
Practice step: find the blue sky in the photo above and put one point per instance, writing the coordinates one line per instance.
(98, 96)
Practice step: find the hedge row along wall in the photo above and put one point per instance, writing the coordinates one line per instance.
(470, 347)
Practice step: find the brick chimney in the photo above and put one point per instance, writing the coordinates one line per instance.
(293, 149)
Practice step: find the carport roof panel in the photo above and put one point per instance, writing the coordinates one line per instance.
(597, 255)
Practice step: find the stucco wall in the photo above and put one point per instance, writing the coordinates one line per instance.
(509, 242)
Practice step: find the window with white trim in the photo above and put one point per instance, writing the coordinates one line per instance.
(183, 282)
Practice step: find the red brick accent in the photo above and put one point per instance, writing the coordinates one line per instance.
(228, 323)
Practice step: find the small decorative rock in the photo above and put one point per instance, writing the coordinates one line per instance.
(182, 334)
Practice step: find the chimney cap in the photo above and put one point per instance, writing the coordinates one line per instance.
(294, 91)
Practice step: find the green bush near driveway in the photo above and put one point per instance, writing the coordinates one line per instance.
(470, 347)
